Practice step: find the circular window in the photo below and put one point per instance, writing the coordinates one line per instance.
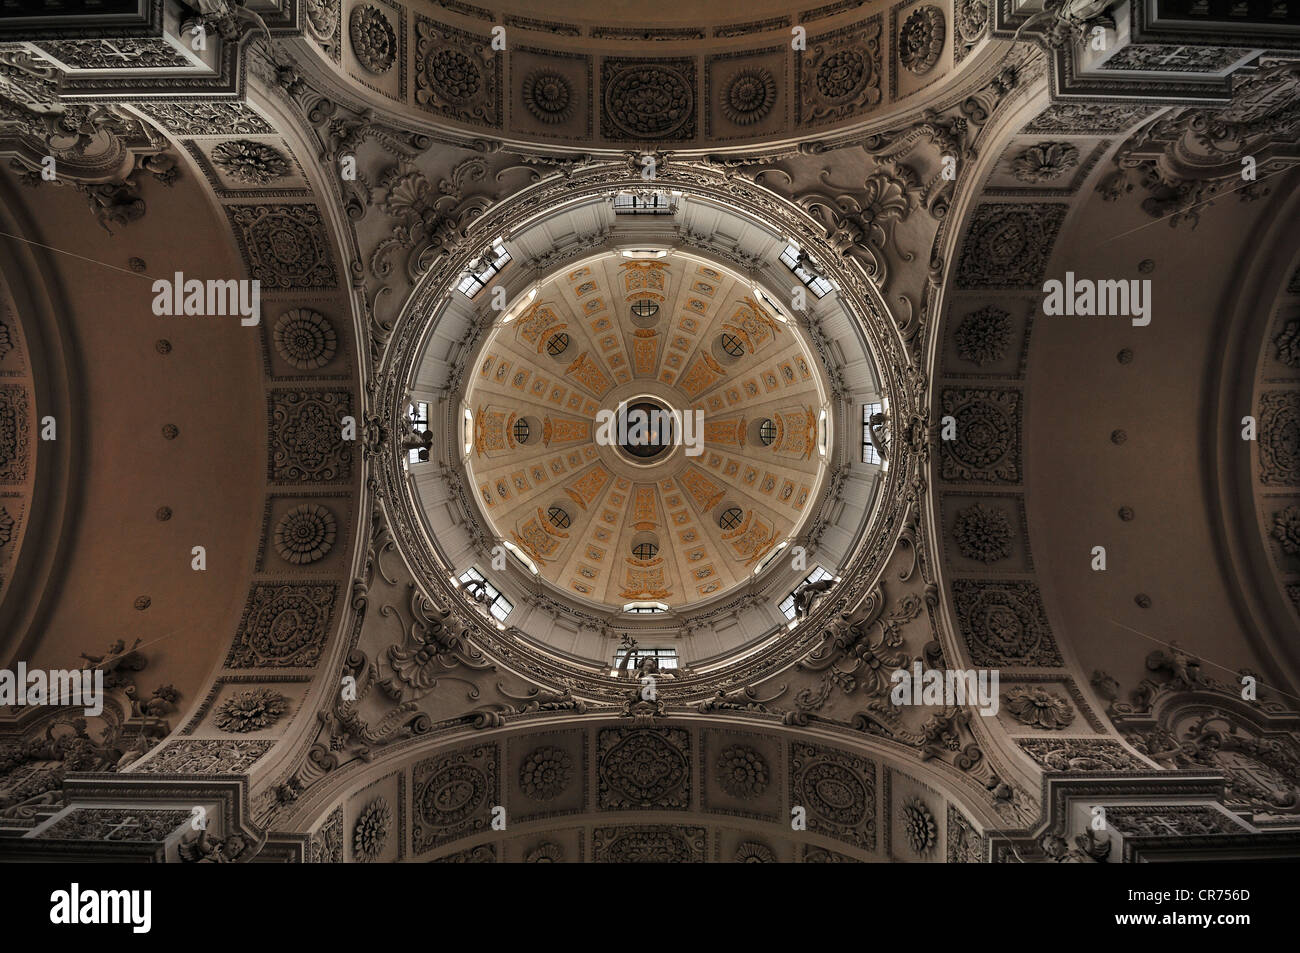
(731, 517)
(645, 550)
(645, 313)
(559, 517)
(766, 432)
(557, 344)
(521, 431)
(732, 345)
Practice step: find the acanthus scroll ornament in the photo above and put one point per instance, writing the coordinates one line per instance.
(431, 221)
(850, 659)
(862, 223)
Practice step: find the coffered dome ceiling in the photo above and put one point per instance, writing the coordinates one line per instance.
(674, 524)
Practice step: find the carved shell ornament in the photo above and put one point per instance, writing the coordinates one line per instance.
(920, 41)
(545, 853)
(862, 224)
(752, 852)
(548, 96)
(749, 96)
(373, 41)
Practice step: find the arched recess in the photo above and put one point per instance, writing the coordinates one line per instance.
(139, 472)
(1052, 514)
(40, 380)
(569, 79)
(1254, 395)
(235, 434)
(691, 789)
(284, 217)
(144, 431)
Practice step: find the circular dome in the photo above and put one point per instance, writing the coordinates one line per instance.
(737, 525)
(642, 430)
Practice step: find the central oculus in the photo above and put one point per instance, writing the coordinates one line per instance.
(645, 429)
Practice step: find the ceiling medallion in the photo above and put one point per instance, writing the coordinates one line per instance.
(984, 336)
(749, 95)
(920, 41)
(843, 74)
(305, 339)
(253, 162)
(371, 832)
(548, 96)
(649, 102)
(919, 825)
(373, 41)
(305, 534)
(1044, 162)
(545, 774)
(455, 75)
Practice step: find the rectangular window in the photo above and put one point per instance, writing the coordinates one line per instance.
(667, 658)
(497, 604)
(787, 605)
(418, 414)
(816, 283)
(642, 203)
(491, 263)
(771, 305)
(869, 452)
